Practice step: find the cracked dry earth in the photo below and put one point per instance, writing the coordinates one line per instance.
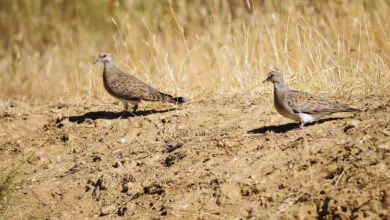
(223, 158)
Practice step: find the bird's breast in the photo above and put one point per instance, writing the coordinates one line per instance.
(114, 86)
(284, 110)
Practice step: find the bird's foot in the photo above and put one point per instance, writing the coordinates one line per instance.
(126, 114)
(135, 109)
(300, 127)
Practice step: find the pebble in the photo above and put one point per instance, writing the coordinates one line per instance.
(108, 210)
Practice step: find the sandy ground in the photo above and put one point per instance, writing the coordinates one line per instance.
(221, 158)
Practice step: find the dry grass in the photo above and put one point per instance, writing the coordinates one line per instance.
(194, 46)
(7, 184)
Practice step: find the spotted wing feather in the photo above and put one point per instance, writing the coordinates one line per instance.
(302, 102)
(128, 87)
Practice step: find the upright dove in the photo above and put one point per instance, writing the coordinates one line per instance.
(128, 88)
(301, 106)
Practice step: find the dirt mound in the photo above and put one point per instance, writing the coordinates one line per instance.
(214, 159)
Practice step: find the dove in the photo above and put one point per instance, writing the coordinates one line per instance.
(301, 106)
(128, 88)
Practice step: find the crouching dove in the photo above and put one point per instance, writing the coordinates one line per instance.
(129, 89)
(301, 106)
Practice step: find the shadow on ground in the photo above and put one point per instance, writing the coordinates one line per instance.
(290, 126)
(113, 115)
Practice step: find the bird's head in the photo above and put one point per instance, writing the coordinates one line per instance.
(274, 77)
(103, 57)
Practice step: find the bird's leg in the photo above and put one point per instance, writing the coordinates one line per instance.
(124, 112)
(135, 108)
(125, 105)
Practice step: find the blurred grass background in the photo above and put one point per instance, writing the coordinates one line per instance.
(193, 47)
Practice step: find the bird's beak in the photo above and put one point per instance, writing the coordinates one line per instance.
(96, 61)
(266, 80)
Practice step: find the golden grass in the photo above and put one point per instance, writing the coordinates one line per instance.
(189, 47)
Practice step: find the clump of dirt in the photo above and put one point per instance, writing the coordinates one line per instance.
(220, 158)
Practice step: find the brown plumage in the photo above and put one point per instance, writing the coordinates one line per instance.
(129, 89)
(301, 106)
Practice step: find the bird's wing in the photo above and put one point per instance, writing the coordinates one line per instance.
(302, 102)
(129, 87)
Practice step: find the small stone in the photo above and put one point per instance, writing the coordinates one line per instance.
(351, 124)
(220, 201)
(386, 199)
(231, 192)
(116, 164)
(386, 132)
(385, 146)
(107, 210)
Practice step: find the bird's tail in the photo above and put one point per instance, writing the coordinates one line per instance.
(179, 100)
(176, 100)
(352, 110)
(346, 108)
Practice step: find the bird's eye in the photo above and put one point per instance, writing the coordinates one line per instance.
(104, 55)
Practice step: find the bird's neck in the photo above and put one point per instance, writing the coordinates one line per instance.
(109, 73)
(279, 90)
(109, 67)
(279, 86)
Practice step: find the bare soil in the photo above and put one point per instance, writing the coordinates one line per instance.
(216, 158)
